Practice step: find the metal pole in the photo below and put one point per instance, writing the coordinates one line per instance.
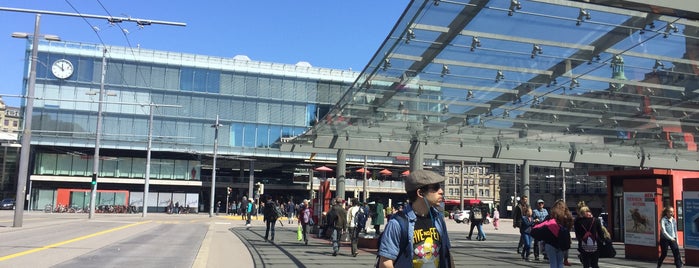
(461, 187)
(477, 182)
(98, 132)
(364, 183)
(23, 172)
(213, 170)
(564, 183)
(146, 183)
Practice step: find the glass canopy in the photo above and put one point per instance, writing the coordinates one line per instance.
(508, 80)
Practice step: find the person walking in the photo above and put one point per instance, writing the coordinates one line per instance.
(248, 212)
(587, 231)
(517, 218)
(668, 237)
(305, 218)
(420, 227)
(496, 219)
(290, 211)
(475, 217)
(354, 215)
(337, 220)
(539, 214)
(555, 232)
(525, 233)
(377, 218)
(270, 217)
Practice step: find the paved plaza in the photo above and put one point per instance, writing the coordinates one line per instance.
(196, 240)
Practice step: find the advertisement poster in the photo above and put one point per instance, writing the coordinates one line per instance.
(639, 218)
(691, 219)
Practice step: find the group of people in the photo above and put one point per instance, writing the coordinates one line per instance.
(550, 232)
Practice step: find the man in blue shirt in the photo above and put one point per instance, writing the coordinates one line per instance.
(418, 235)
(539, 214)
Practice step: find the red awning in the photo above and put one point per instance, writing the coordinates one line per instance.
(467, 202)
(405, 173)
(385, 172)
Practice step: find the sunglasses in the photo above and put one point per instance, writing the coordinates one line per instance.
(432, 187)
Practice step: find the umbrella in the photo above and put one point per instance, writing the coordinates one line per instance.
(385, 172)
(323, 168)
(405, 173)
(362, 170)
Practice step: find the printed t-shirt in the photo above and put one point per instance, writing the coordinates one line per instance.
(426, 243)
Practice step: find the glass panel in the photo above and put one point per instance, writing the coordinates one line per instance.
(157, 78)
(120, 199)
(79, 199)
(213, 81)
(238, 85)
(138, 168)
(263, 136)
(186, 79)
(63, 164)
(47, 164)
(264, 87)
(251, 86)
(263, 113)
(172, 79)
(124, 166)
(43, 198)
(108, 167)
(128, 74)
(181, 170)
(166, 168)
(142, 76)
(105, 198)
(113, 75)
(237, 135)
(249, 138)
(199, 80)
(226, 84)
(79, 167)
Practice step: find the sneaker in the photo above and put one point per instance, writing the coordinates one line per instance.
(354, 254)
(468, 238)
(335, 253)
(566, 263)
(306, 242)
(536, 258)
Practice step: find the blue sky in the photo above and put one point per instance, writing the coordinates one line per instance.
(331, 34)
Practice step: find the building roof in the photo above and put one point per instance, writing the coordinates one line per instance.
(553, 82)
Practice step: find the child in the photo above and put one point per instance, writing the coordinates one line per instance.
(525, 231)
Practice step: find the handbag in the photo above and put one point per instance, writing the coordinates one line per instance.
(299, 233)
(605, 247)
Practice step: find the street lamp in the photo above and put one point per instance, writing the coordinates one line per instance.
(98, 132)
(27, 130)
(213, 171)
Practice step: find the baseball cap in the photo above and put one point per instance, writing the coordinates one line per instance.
(419, 178)
(540, 201)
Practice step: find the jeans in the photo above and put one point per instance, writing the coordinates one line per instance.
(526, 248)
(270, 225)
(337, 234)
(664, 243)
(481, 234)
(555, 256)
(303, 229)
(354, 236)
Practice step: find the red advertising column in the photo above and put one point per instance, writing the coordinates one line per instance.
(641, 209)
(688, 216)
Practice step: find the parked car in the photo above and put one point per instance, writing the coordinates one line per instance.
(7, 203)
(462, 216)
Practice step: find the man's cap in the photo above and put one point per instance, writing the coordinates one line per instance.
(540, 201)
(419, 178)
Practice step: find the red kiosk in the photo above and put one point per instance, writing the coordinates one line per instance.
(635, 202)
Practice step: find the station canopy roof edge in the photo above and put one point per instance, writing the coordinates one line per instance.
(544, 80)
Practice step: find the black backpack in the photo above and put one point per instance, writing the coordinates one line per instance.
(360, 218)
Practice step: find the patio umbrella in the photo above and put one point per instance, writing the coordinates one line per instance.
(385, 172)
(362, 170)
(323, 168)
(405, 173)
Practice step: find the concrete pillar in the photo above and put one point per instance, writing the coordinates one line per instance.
(416, 156)
(340, 173)
(525, 180)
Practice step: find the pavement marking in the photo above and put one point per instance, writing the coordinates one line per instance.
(18, 254)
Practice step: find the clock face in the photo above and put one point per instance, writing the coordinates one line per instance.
(62, 69)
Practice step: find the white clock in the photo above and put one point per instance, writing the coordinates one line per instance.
(62, 69)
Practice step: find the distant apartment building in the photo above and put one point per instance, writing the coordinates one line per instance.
(9, 149)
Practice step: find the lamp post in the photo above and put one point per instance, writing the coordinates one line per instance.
(146, 182)
(98, 132)
(23, 172)
(213, 170)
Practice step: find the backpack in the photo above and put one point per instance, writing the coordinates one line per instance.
(477, 214)
(278, 212)
(588, 243)
(403, 223)
(360, 218)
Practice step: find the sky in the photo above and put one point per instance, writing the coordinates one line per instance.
(329, 34)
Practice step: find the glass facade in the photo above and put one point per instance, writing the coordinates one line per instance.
(258, 104)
